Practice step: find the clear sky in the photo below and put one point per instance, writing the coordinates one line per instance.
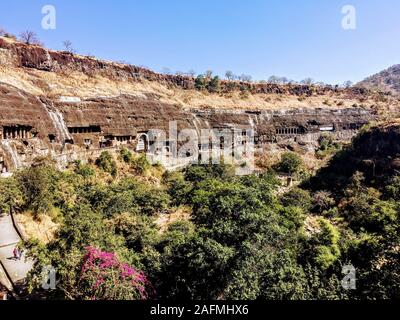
(292, 38)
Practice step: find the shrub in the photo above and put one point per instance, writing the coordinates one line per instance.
(140, 164)
(393, 188)
(327, 146)
(200, 83)
(126, 155)
(104, 277)
(107, 163)
(322, 200)
(327, 248)
(4, 33)
(84, 170)
(10, 36)
(214, 85)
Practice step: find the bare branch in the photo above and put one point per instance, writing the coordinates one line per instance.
(68, 46)
(30, 37)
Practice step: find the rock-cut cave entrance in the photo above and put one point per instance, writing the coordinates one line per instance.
(143, 142)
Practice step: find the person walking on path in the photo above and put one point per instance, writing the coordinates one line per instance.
(15, 253)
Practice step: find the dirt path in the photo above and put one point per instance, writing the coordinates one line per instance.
(16, 270)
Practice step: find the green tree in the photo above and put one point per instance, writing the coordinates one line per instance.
(84, 170)
(200, 82)
(127, 195)
(81, 228)
(199, 173)
(298, 198)
(214, 86)
(178, 188)
(238, 230)
(38, 185)
(323, 246)
(291, 163)
(11, 197)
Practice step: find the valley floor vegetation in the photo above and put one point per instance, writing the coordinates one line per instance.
(241, 239)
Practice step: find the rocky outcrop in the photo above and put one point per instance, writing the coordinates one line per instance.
(38, 58)
(68, 128)
(19, 109)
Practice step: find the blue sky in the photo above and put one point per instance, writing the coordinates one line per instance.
(292, 38)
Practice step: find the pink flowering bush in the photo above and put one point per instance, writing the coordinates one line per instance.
(104, 277)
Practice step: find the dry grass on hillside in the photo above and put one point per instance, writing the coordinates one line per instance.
(42, 229)
(76, 84)
(163, 221)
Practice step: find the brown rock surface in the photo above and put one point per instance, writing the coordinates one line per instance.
(71, 103)
(22, 109)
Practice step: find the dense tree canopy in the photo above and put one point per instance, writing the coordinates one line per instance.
(243, 239)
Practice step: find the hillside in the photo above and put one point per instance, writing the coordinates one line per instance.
(386, 80)
(204, 233)
(359, 190)
(54, 74)
(76, 139)
(375, 153)
(72, 107)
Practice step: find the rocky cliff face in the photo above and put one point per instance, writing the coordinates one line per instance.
(38, 58)
(20, 108)
(108, 105)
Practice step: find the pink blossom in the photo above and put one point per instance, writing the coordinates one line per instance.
(106, 276)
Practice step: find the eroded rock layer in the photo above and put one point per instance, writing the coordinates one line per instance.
(69, 129)
(73, 107)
